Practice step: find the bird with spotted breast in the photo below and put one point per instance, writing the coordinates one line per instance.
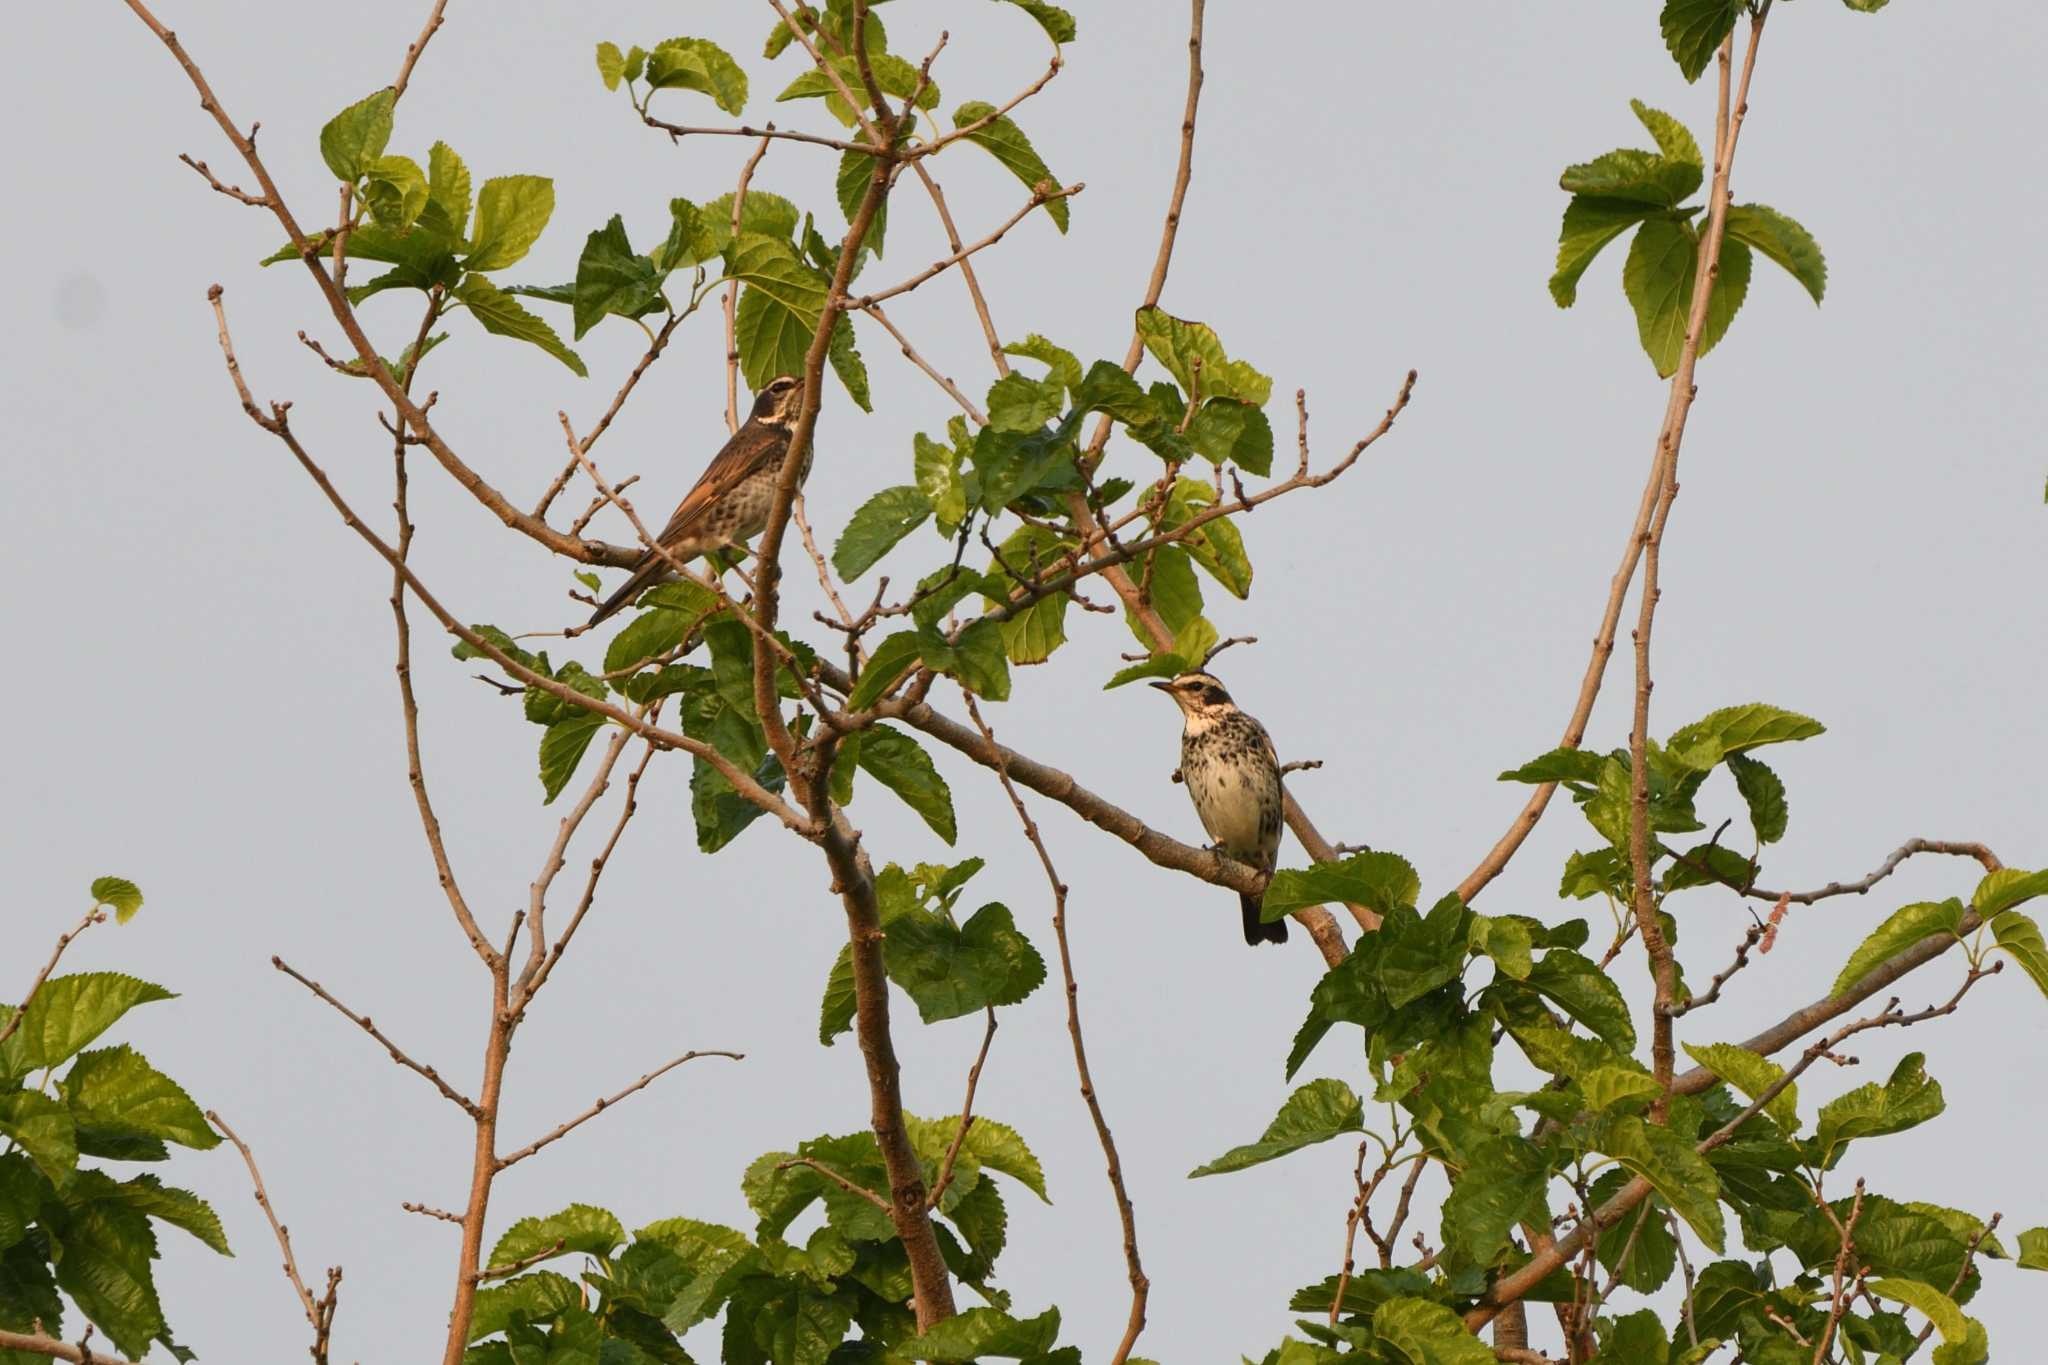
(1233, 777)
(730, 501)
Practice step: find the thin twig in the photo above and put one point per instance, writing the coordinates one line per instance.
(732, 294)
(511, 1268)
(1141, 1286)
(945, 1177)
(92, 917)
(841, 1181)
(428, 1211)
(319, 1312)
(363, 1022)
(513, 1158)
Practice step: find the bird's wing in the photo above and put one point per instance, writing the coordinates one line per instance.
(751, 448)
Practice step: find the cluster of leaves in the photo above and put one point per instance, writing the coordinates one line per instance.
(839, 1295)
(68, 1229)
(420, 223)
(1430, 1041)
(1643, 190)
(1027, 460)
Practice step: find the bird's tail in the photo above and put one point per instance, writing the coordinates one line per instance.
(628, 591)
(1255, 932)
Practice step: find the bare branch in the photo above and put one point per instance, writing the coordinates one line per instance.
(92, 917)
(415, 48)
(429, 1212)
(945, 1176)
(36, 1344)
(732, 294)
(363, 1022)
(594, 1110)
(1039, 196)
(319, 1312)
(1141, 1285)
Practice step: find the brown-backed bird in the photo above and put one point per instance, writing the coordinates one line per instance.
(729, 502)
(1228, 764)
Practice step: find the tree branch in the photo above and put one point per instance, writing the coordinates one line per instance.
(319, 1312)
(513, 1158)
(92, 917)
(363, 1022)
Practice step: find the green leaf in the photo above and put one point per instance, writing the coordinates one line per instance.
(762, 213)
(1002, 139)
(1693, 29)
(1507, 940)
(1217, 545)
(511, 213)
(1784, 241)
(1867, 7)
(995, 1145)
(105, 1268)
(42, 1128)
(1559, 765)
(779, 309)
(836, 1010)
(1938, 1307)
(122, 895)
(1315, 1113)
(1019, 403)
(580, 1229)
(1183, 347)
(2021, 937)
(693, 237)
(1382, 881)
(147, 1194)
(877, 526)
(1680, 1175)
(1752, 1075)
(448, 189)
(1764, 792)
(671, 612)
(985, 1332)
(1227, 431)
(1663, 263)
(356, 136)
(1418, 953)
(844, 356)
(1907, 1099)
(1674, 139)
(1900, 931)
(1608, 1087)
(856, 169)
(611, 65)
(938, 477)
(701, 65)
(1427, 1333)
(1500, 1187)
(537, 1297)
(1063, 369)
(1734, 730)
(1586, 993)
(885, 665)
(2006, 888)
(1031, 635)
(1634, 176)
(893, 74)
(396, 191)
(950, 972)
(1057, 23)
(1643, 1234)
(68, 1013)
(612, 279)
(900, 763)
(2033, 1249)
(562, 746)
(501, 314)
(116, 1088)
(1707, 865)
(1590, 223)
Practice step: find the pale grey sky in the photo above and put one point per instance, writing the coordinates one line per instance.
(204, 702)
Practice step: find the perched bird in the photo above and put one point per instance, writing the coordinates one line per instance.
(1227, 761)
(729, 502)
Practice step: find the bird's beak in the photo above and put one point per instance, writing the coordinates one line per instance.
(1166, 687)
